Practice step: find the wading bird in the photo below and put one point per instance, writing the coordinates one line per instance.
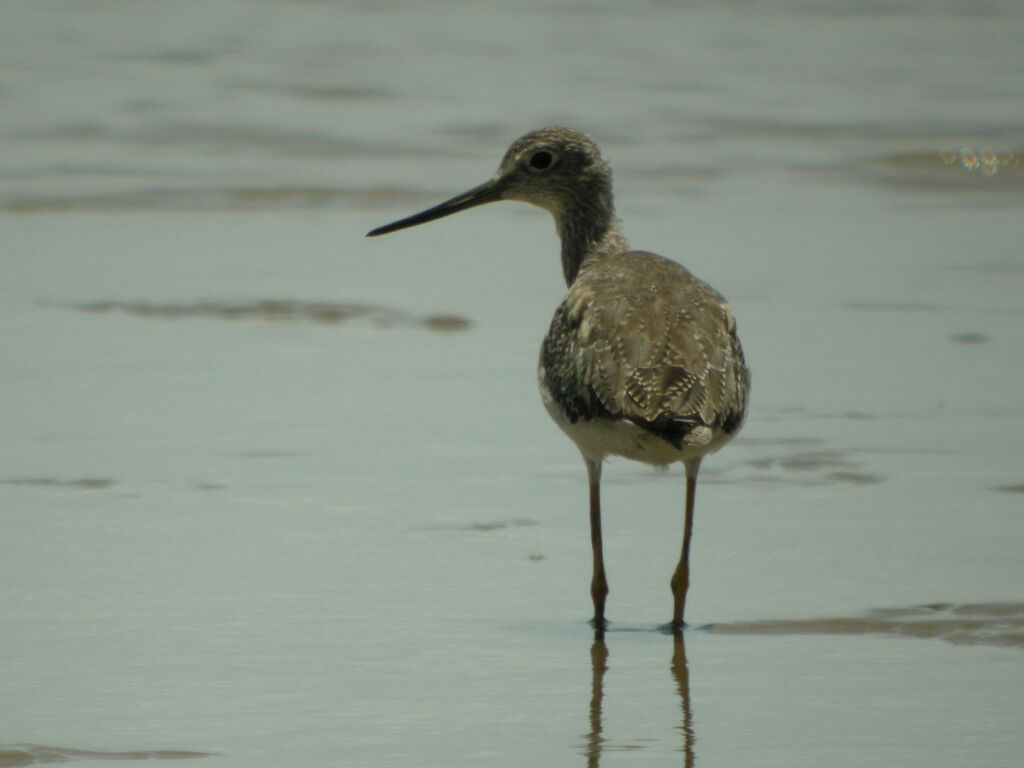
(642, 359)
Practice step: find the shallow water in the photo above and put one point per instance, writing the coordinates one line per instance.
(275, 494)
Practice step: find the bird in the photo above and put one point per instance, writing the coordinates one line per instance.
(642, 359)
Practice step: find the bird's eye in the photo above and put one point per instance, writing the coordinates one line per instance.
(541, 160)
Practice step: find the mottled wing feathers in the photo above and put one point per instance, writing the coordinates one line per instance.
(639, 338)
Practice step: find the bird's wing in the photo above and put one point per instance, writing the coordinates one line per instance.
(657, 346)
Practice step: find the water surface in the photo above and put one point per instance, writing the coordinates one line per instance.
(275, 494)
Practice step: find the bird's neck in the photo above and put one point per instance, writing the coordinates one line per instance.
(587, 231)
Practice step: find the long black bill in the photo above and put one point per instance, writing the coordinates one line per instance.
(487, 192)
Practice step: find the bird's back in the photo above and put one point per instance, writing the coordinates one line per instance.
(640, 340)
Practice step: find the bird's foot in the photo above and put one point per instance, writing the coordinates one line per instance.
(672, 628)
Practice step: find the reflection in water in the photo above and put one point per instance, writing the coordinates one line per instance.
(966, 624)
(599, 665)
(681, 673)
(973, 623)
(598, 660)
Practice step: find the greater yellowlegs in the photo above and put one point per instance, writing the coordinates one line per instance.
(642, 358)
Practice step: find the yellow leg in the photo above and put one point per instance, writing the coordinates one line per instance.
(599, 584)
(681, 578)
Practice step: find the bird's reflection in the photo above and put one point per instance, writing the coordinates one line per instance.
(598, 661)
(681, 675)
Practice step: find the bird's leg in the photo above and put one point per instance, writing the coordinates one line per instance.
(681, 578)
(599, 584)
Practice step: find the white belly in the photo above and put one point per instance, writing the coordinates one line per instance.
(599, 438)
